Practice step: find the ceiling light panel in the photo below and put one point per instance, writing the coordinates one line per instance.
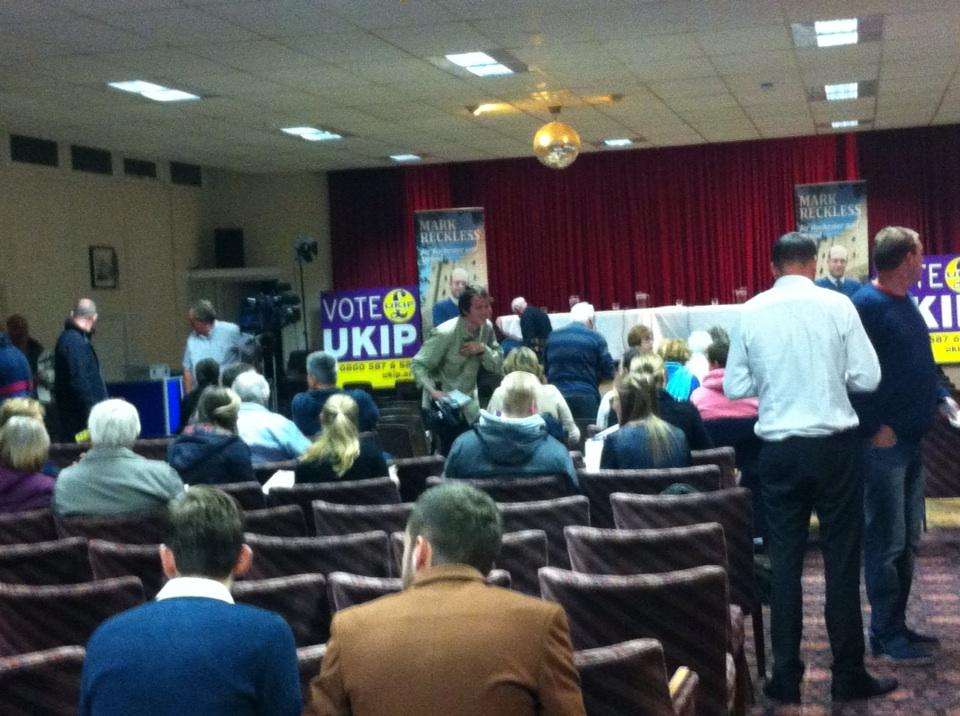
(834, 93)
(149, 90)
(838, 32)
(312, 134)
(403, 158)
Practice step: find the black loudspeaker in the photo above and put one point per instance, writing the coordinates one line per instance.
(228, 248)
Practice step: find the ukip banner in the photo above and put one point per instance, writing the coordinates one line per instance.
(938, 299)
(835, 214)
(447, 239)
(372, 332)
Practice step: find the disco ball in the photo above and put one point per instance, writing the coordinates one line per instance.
(556, 145)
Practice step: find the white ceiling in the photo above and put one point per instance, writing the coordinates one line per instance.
(690, 72)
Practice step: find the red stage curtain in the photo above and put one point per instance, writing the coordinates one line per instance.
(689, 223)
(913, 180)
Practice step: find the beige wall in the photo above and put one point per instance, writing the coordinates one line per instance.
(49, 217)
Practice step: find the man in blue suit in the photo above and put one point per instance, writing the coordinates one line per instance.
(193, 651)
(836, 265)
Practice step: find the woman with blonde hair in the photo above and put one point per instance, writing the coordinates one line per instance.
(26, 407)
(680, 381)
(209, 451)
(24, 445)
(550, 402)
(644, 440)
(338, 453)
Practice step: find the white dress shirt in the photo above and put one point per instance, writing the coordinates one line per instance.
(195, 587)
(800, 348)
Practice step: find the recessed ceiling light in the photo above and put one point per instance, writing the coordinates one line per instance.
(312, 134)
(480, 64)
(844, 123)
(406, 157)
(157, 93)
(831, 33)
(618, 142)
(848, 90)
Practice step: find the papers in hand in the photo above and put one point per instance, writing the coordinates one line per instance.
(457, 398)
(281, 478)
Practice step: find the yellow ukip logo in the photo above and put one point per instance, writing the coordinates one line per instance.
(399, 305)
(951, 275)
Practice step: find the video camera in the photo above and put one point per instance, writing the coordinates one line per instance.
(274, 308)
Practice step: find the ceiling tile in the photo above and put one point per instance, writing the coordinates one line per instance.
(746, 39)
(689, 88)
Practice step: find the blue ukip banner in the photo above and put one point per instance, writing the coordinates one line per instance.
(372, 332)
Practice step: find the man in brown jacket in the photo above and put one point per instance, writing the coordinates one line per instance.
(449, 644)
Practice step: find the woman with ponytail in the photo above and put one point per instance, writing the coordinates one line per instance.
(209, 451)
(643, 441)
(338, 453)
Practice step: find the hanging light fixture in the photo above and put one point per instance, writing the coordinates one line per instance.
(556, 144)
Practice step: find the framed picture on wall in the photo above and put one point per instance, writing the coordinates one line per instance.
(104, 270)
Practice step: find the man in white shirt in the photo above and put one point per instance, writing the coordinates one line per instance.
(209, 338)
(800, 348)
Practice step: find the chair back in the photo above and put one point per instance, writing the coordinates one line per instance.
(594, 550)
(599, 485)
(34, 618)
(413, 473)
(629, 677)
(263, 471)
(372, 491)
(724, 457)
(152, 448)
(551, 516)
(333, 519)
(30, 526)
(109, 560)
(283, 521)
(732, 509)
(522, 554)
(364, 385)
(399, 439)
(65, 454)
(137, 528)
(365, 553)
(686, 611)
(300, 599)
(248, 494)
(498, 578)
(45, 682)
(520, 488)
(62, 561)
(348, 590)
(309, 660)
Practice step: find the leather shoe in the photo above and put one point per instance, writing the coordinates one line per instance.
(862, 686)
(775, 692)
(915, 637)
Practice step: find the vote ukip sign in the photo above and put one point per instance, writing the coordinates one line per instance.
(938, 300)
(372, 332)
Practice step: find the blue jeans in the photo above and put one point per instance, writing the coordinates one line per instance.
(893, 508)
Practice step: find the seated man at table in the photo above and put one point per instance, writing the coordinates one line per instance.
(322, 383)
(534, 324)
(514, 443)
(576, 359)
(271, 436)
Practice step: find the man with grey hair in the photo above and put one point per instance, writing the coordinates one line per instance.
(534, 324)
(836, 267)
(209, 338)
(576, 359)
(321, 384)
(449, 307)
(271, 436)
(78, 383)
(111, 479)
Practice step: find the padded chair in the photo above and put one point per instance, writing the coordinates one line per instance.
(522, 554)
(551, 516)
(364, 385)
(140, 528)
(35, 618)
(631, 678)
(263, 471)
(407, 390)
(348, 590)
(516, 489)
(732, 509)
(248, 494)
(413, 473)
(309, 659)
(30, 526)
(300, 599)
(283, 521)
(400, 439)
(599, 485)
(723, 457)
(62, 561)
(65, 454)
(686, 610)
(152, 448)
(372, 491)
(109, 560)
(333, 519)
(365, 553)
(44, 683)
(738, 433)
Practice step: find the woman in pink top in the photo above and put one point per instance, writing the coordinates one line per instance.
(709, 398)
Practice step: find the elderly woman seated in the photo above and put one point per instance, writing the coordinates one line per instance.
(111, 479)
(271, 436)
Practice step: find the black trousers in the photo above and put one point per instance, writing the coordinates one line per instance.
(797, 476)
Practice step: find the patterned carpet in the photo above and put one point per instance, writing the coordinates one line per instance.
(934, 608)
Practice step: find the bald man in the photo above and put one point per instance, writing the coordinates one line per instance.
(448, 308)
(78, 383)
(837, 266)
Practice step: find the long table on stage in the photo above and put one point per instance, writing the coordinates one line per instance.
(663, 321)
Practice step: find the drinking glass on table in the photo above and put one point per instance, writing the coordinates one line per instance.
(615, 306)
(641, 299)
